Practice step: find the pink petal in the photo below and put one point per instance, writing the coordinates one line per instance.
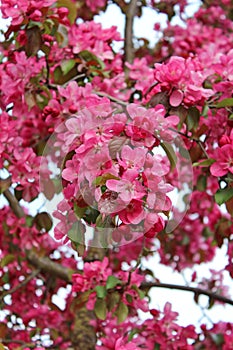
(176, 98)
(217, 169)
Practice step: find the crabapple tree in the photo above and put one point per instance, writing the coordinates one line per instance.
(109, 157)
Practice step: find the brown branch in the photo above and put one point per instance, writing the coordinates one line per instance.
(44, 264)
(195, 290)
(129, 19)
(20, 285)
(199, 142)
(121, 4)
(47, 266)
(17, 341)
(14, 204)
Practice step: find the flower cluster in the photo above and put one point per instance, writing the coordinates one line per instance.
(92, 37)
(160, 330)
(114, 172)
(33, 10)
(183, 79)
(117, 293)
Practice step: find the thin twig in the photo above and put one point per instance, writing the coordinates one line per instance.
(199, 142)
(196, 290)
(20, 285)
(111, 98)
(14, 204)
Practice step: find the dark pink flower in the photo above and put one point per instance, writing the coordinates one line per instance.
(133, 214)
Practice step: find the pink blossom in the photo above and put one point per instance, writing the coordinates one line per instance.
(224, 161)
(121, 345)
(133, 214)
(126, 189)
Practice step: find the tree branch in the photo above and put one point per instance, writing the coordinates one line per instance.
(121, 4)
(20, 285)
(129, 19)
(47, 266)
(84, 336)
(14, 204)
(20, 342)
(195, 290)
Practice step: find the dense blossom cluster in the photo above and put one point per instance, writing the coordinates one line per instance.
(124, 130)
(114, 172)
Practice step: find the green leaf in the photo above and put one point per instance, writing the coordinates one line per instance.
(90, 57)
(102, 223)
(70, 5)
(185, 240)
(79, 211)
(112, 282)
(60, 78)
(193, 118)
(7, 260)
(5, 278)
(57, 185)
(139, 291)
(170, 154)
(113, 300)
(204, 163)
(201, 183)
(157, 346)
(205, 110)
(129, 298)
(101, 180)
(91, 215)
(67, 65)
(101, 291)
(223, 195)
(29, 220)
(133, 333)
(217, 338)
(122, 312)
(100, 309)
(76, 233)
(227, 102)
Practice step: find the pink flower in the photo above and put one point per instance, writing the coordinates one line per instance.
(121, 345)
(78, 282)
(132, 158)
(94, 273)
(126, 189)
(172, 72)
(133, 213)
(224, 161)
(153, 224)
